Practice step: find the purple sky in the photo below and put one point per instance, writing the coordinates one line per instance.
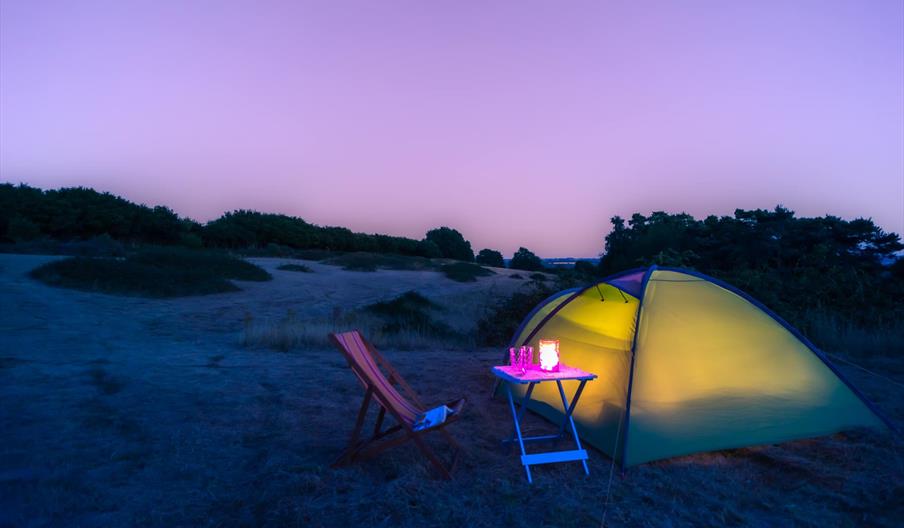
(518, 123)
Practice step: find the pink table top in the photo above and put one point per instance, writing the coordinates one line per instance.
(565, 372)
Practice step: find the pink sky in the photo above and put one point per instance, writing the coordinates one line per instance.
(518, 123)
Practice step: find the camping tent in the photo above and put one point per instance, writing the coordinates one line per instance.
(686, 363)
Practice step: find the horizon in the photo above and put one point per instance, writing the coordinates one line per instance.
(506, 256)
(518, 125)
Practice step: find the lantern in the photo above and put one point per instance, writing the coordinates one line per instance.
(549, 355)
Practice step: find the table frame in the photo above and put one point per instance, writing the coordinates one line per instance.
(548, 457)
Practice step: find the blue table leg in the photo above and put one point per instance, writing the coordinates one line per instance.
(517, 417)
(520, 416)
(568, 419)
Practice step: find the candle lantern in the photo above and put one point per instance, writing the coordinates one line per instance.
(549, 355)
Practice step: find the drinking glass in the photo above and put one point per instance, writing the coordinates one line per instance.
(522, 359)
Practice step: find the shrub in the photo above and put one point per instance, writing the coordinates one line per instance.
(451, 244)
(525, 260)
(499, 325)
(155, 273)
(465, 271)
(361, 261)
(213, 263)
(490, 257)
(407, 312)
(191, 241)
(99, 246)
(516, 276)
(295, 267)
(585, 268)
(21, 229)
(538, 277)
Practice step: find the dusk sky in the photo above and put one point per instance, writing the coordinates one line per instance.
(518, 123)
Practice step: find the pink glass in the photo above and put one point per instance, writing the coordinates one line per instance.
(522, 359)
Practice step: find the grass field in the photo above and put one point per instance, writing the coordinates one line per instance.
(129, 411)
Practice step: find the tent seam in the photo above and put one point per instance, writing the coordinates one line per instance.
(643, 293)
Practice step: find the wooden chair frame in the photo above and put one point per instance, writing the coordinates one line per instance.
(359, 448)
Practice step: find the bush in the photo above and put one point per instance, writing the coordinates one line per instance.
(373, 261)
(99, 246)
(585, 268)
(22, 229)
(490, 257)
(295, 267)
(538, 277)
(155, 273)
(451, 244)
(410, 311)
(213, 263)
(498, 327)
(191, 241)
(525, 260)
(465, 271)
(516, 276)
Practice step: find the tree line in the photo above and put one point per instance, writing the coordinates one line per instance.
(28, 213)
(795, 265)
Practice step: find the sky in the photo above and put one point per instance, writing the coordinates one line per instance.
(518, 123)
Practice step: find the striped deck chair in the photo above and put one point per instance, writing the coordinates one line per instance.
(407, 410)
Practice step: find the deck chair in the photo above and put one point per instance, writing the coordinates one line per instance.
(407, 409)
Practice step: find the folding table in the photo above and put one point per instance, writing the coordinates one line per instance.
(531, 378)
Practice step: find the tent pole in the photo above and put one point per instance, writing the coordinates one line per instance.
(624, 439)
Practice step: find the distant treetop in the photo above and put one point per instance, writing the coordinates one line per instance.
(524, 259)
(490, 257)
(451, 244)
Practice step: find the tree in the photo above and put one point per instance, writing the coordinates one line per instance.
(585, 268)
(451, 244)
(524, 259)
(21, 229)
(490, 257)
(796, 266)
(429, 249)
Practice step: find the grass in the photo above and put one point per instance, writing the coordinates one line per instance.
(362, 261)
(276, 250)
(295, 267)
(409, 312)
(406, 322)
(294, 333)
(156, 273)
(834, 334)
(465, 271)
(156, 436)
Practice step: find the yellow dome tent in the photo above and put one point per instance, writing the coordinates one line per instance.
(686, 363)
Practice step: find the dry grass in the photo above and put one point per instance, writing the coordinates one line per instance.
(838, 335)
(292, 332)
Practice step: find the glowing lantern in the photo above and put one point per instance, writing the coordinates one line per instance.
(549, 355)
